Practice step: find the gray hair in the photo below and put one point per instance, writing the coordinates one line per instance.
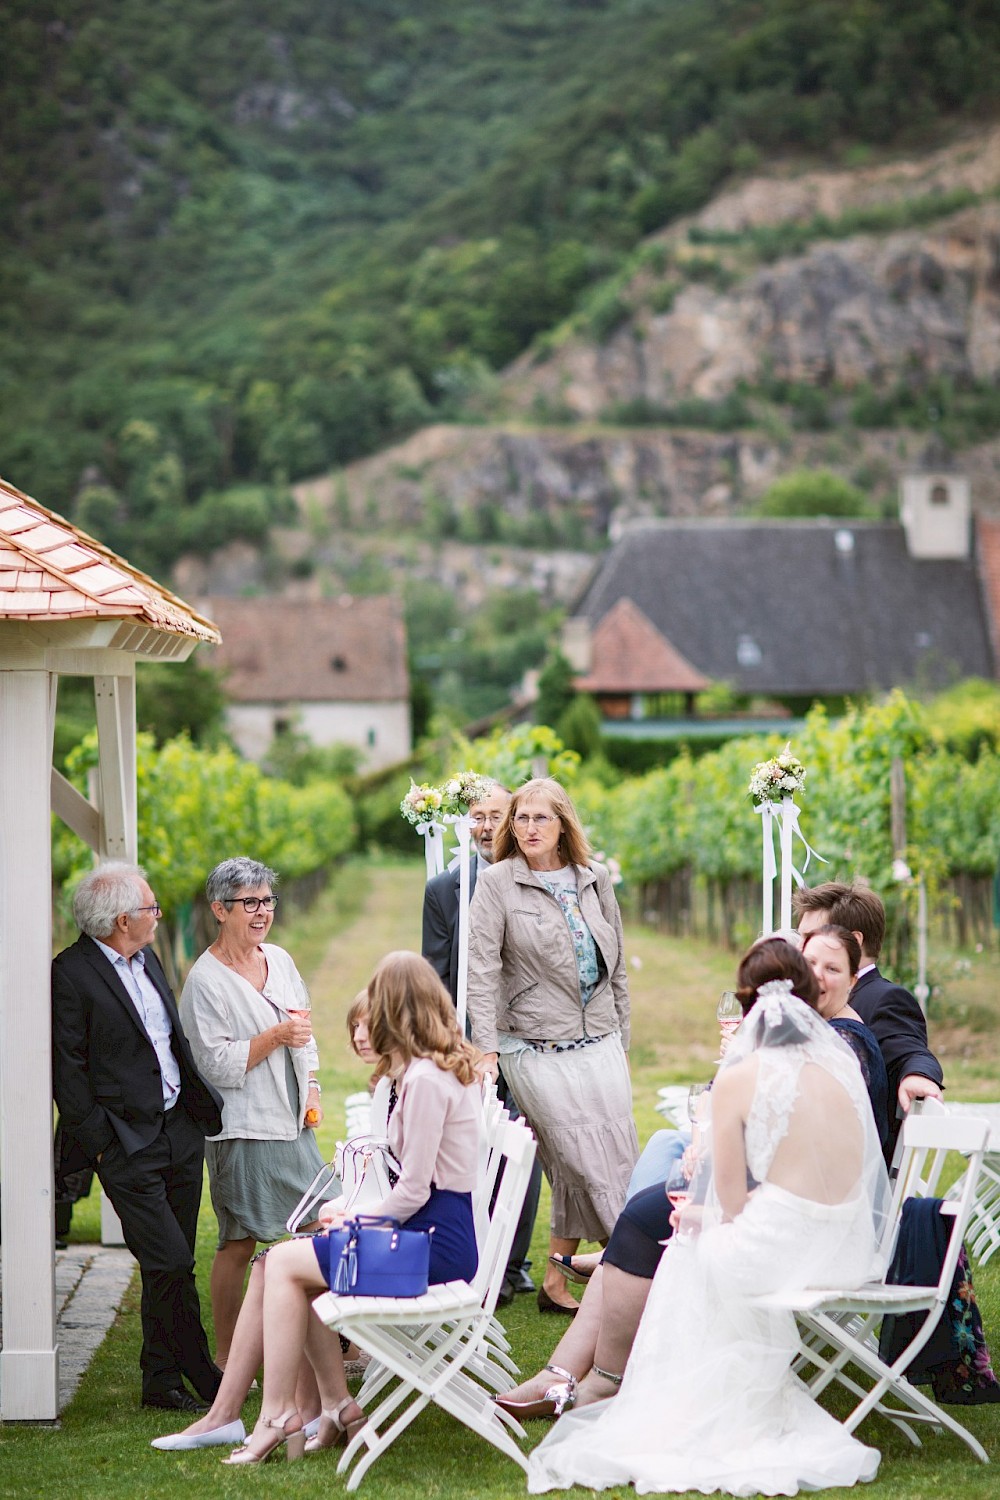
(235, 875)
(105, 894)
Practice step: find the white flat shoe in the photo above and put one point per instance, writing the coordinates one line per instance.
(228, 1436)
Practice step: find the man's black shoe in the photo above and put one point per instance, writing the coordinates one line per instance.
(177, 1399)
(519, 1279)
(505, 1296)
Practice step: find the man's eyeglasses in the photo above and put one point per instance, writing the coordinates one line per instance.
(478, 819)
(156, 909)
(540, 820)
(254, 903)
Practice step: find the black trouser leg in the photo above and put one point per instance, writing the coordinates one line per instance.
(156, 1193)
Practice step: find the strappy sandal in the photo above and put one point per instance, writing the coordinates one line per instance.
(557, 1399)
(294, 1442)
(566, 1266)
(333, 1429)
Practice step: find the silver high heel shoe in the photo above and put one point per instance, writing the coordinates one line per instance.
(325, 1438)
(294, 1442)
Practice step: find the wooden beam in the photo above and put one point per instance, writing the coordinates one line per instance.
(75, 811)
(114, 698)
(29, 1362)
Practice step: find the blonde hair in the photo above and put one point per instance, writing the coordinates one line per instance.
(356, 1011)
(411, 1014)
(573, 842)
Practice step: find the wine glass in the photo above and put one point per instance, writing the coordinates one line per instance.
(729, 1014)
(694, 1100)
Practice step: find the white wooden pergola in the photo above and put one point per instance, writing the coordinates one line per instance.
(67, 606)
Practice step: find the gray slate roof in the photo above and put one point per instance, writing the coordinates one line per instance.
(776, 607)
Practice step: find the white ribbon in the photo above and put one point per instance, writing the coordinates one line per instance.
(463, 828)
(768, 812)
(433, 847)
(787, 814)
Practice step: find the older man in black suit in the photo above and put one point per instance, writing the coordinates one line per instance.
(440, 948)
(133, 1105)
(888, 1009)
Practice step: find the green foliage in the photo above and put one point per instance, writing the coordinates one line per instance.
(240, 248)
(813, 493)
(966, 718)
(199, 806)
(470, 662)
(579, 726)
(555, 689)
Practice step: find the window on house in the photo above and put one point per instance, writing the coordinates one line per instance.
(371, 738)
(939, 494)
(282, 726)
(338, 664)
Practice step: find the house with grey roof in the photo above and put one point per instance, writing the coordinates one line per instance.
(798, 610)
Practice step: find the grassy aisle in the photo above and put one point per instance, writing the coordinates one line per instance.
(102, 1452)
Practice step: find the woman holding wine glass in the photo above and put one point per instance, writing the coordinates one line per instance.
(245, 1010)
(793, 1194)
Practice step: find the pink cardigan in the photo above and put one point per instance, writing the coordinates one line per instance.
(434, 1132)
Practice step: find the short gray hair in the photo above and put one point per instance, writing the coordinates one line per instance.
(235, 875)
(105, 894)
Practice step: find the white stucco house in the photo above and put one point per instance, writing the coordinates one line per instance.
(332, 669)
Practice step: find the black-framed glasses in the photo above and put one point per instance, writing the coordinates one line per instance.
(156, 909)
(251, 904)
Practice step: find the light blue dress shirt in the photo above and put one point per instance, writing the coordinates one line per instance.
(152, 1013)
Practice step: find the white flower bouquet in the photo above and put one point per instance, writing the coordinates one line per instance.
(773, 780)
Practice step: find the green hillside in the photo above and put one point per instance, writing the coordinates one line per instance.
(241, 243)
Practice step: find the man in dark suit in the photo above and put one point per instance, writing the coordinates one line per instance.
(440, 948)
(133, 1105)
(888, 1009)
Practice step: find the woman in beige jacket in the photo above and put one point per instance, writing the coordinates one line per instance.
(548, 1000)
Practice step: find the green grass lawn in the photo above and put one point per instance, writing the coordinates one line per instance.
(101, 1450)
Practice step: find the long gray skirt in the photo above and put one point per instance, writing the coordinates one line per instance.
(256, 1184)
(579, 1105)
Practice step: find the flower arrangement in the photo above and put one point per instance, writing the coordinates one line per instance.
(421, 803)
(773, 780)
(426, 803)
(461, 790)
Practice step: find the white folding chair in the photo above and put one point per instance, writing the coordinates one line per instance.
(672, 1105)
(358, 1114)
(983, 1234)
(429, 1342)
(493, 1363)
(839, 1327)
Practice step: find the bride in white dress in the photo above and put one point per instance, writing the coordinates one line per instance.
(708, 1401)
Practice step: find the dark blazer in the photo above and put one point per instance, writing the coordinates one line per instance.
(900, 1029)
(105, 1075)
(439, 943)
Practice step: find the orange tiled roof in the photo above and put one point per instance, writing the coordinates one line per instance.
(988, 549)
(629, 655)
(50, 570)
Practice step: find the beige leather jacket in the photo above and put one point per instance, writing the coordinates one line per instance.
(523, 977)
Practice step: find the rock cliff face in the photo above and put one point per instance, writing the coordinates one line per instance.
(865, 309)
(704, 315)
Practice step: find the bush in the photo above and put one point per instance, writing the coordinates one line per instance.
(813, 493)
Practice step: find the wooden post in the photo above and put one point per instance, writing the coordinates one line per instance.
(114, 699)
(29, 1363)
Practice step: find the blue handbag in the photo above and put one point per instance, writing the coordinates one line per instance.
(375, 1257)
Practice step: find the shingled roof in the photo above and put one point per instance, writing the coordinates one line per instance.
(629, 655)
(800, 608)
(50, 570)
(349, 649)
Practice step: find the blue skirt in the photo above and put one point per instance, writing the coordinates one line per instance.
(454, 1256)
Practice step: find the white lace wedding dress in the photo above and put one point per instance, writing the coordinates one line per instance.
(708, 1401)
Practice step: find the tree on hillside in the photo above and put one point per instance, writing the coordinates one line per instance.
(813, 493)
